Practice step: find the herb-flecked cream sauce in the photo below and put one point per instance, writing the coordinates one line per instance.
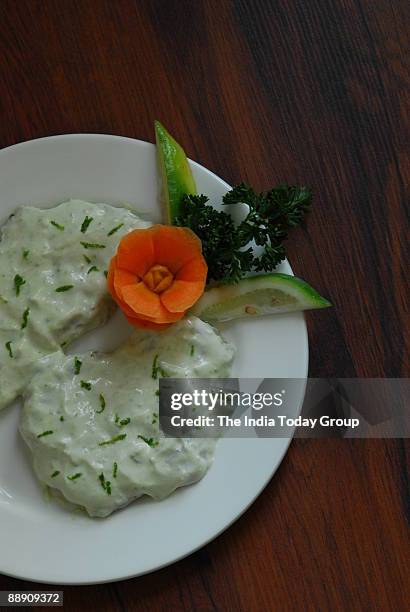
(91, 421)
(52, 281)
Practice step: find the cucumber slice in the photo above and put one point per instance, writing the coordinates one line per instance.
(174, 171)
(257, 295)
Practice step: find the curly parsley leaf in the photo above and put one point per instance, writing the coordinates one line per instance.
(227, 246)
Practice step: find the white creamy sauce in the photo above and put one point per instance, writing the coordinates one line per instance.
(94, 435)
(52, 287)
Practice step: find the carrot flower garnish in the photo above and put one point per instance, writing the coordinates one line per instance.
(157, 274)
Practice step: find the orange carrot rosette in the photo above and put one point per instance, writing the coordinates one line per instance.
(157, 274)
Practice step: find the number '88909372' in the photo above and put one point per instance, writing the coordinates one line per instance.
(31, 598)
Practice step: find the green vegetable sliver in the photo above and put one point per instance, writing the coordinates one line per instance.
(174, 171)
(258, 295)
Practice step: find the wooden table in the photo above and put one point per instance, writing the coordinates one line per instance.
(264, 91)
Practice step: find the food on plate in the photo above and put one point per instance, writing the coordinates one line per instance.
(174, 172)
(91, 421)
(263, 294)
(157, 274)
(52, 281)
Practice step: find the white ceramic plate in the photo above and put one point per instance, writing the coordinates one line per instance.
(39, 539)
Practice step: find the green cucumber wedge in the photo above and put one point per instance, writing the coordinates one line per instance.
(263, 294)
(174, 171)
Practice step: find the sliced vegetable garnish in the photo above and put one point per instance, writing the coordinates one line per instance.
(258, 295)
(174, 171)
(157, 274)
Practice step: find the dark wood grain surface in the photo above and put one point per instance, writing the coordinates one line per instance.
(269, 90)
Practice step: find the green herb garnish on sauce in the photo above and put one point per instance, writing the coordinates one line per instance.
(54, 474)
(64, 288)
(45, 433)
(85, 385)
(77, 365)
(106, 484)
(18, 283)
(61, 418)
(57, 225)
(93, 269)
(9, 349)
(155, 368)
(192, 351)
(113, 440)
(86, 223)
(150, 441)
(25, 254)
(121, 423)
(87, 259)
(25, 318)
(93, 245)
(102, 404)
(74, 476)
(115, 229)
(114, 470)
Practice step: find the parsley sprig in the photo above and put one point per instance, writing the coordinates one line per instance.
(226, 245)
